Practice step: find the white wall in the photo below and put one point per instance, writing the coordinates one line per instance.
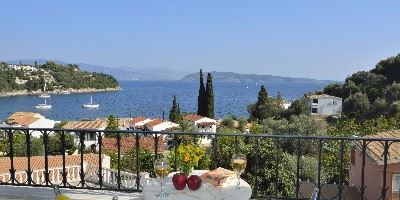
(41, 123)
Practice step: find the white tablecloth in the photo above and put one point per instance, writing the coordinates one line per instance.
(206, 191)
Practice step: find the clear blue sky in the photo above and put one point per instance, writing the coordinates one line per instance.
(317, 39)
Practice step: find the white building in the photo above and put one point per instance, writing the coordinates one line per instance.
(137, 123)
(202, 124)
(325, 105)
(30, 120)
(159, 125)
(90, 138)
(22, 67)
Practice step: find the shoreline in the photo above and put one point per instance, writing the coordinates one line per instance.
(58, 92)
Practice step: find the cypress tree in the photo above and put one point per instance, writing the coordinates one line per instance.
(201, 99)
(173, 113)
(209, 97)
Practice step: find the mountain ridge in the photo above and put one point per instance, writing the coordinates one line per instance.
(237, 77)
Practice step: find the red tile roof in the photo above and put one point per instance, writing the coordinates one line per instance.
(154, 123)
(37, 162)
(97, 124)
(375, 149)
(193, 117)
(137, 119)
(127, 143)
(23, 118)
(206, 123)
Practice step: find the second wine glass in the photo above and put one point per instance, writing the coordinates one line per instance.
(238, 163)
(161, 168)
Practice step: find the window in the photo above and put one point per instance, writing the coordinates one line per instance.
(334, 102)
(92, 136)
(395, 182)
(314, 110)
(315, 100)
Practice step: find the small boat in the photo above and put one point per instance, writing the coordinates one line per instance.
(91, 104)
(43, 106)
(65, 92)
(44, 95)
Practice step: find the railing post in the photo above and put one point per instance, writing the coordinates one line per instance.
(64, 149)
(46, 157)
(176, 151)
(11, 142)
(385, 155)
(137, 161)
(82, 172)
(319, 166)
(298, 168)
(155, 147)
(28, 151)
(100, 172)
(341, 168)
(362, 188)
(119, 160)
(277, 169)
(256, 167)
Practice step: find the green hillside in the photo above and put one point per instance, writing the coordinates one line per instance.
(56, 76)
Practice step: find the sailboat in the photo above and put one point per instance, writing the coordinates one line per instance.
(44, 95)
(43, 105)
(91, 104)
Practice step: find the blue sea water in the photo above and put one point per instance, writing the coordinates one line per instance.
(152, 98)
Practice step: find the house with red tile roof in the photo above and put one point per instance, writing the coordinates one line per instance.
(90, 138)
(374, 166)
(202, 124)
(159, 125)
(137, 123)
(30, 120)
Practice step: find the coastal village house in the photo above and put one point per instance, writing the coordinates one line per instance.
(202, 124)
(137, 123)
(374, 167)
(30, 120)
(325, 105)
(159, 125)
(90, 138)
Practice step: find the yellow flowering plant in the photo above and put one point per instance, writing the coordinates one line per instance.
(189, 156)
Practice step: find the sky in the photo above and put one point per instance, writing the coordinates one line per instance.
(304, 38)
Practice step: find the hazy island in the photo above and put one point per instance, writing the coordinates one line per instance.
(20, 79)
(250, 78)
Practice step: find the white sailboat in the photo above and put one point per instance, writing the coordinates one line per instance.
(43, 105)
(44, 95)
(91, 104)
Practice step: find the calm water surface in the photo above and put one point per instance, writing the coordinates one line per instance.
(151, 98)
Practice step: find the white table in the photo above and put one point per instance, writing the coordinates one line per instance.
(206, 191)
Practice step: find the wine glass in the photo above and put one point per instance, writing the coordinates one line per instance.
(161, 168)
(238, 162)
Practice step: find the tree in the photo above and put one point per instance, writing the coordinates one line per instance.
(390, 68)
(392, 92)
(174, 113)
(356, 106)
(112, 125)
(265, 107)
(334, 89)
(201, 98)
(298, 107)
(209, 97)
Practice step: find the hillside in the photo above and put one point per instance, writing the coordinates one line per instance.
(120, 73)
(19, 78)
(236, 77)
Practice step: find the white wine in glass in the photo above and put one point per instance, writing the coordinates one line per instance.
(161, 168)
(238, 163)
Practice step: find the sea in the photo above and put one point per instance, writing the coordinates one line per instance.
(153, 99)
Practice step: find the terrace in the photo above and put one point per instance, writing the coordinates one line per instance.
(95, 173)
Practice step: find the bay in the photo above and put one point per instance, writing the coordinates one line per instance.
(152, 98)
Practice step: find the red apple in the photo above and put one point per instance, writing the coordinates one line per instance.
(179, 181)
(194, 182)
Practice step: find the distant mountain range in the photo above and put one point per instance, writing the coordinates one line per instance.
(120, 73)
(126, 73)
(251, 78)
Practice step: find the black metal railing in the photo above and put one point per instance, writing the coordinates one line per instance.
(17, 145)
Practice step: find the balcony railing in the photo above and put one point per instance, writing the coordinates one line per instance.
(101, 175)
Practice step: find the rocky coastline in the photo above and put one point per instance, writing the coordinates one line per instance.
(57, 91)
